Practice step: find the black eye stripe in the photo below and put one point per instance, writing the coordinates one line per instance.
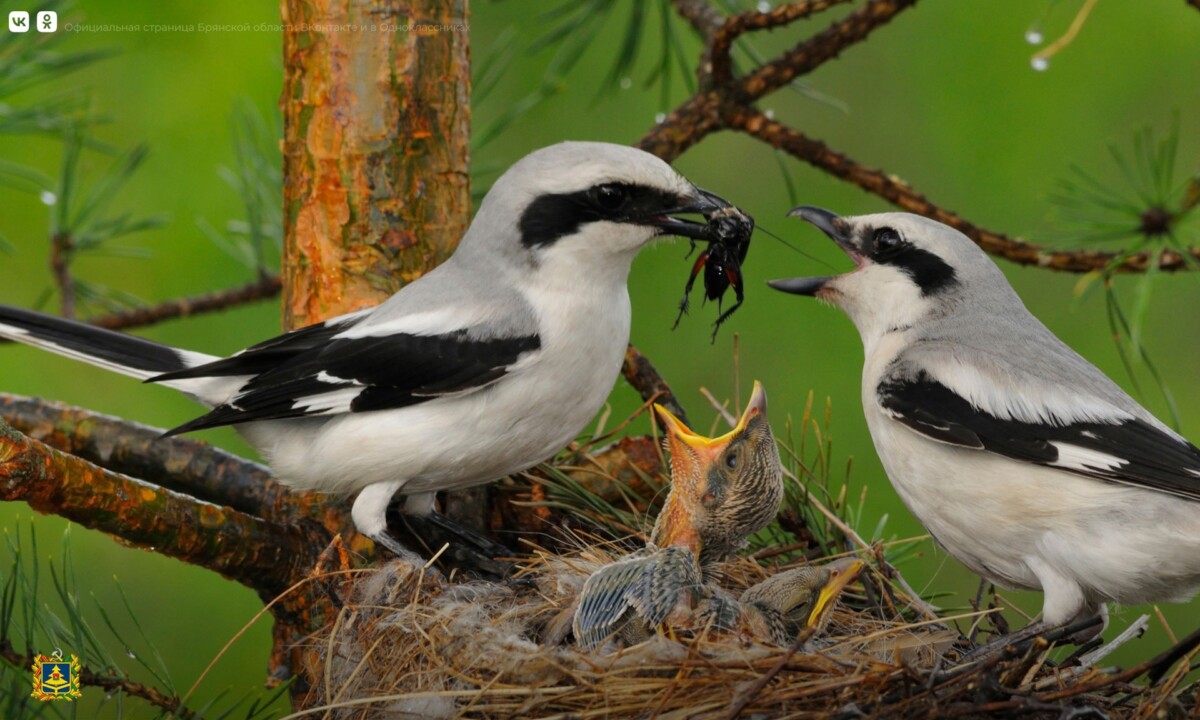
(552, 216)
(886, 246)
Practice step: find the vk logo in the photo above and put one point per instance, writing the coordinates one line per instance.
(18, 21)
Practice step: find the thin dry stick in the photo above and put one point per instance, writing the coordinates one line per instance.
(1069, 36)
(743, 699)
(257, 616)
(926, 609)
(262, 289)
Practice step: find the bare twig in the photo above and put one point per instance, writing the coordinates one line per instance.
(721, 45)
(724, 102)
(702, 16)
(265, 287)
(745, 697)
(822, 47)
(642, 375)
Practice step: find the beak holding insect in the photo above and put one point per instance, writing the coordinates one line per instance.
(702, 203)
(841, 573)
(727, 231)
(836, 228)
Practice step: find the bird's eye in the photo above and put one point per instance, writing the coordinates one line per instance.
(731, 460)
(887, 242)
(610, 197)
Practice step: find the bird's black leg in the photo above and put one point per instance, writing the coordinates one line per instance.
(1075, 632)
(466, 548)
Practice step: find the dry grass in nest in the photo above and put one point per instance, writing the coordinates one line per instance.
(410, 644)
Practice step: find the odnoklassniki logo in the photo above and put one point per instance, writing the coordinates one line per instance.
(55, 678)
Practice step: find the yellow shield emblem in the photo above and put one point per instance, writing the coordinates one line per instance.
(55, 678)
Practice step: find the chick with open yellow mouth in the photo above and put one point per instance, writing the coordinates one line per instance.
(723, 490)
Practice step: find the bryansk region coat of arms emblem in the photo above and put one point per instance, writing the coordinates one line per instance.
(55, 678)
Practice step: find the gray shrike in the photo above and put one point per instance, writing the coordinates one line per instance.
(485, 366)
(1021, 458)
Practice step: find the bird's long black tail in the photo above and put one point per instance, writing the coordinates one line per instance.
(126, 354)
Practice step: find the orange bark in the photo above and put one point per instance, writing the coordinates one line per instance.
(376, 125)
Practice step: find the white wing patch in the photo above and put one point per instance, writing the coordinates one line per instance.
(325, 377)
(334, 401)
(1073, 457)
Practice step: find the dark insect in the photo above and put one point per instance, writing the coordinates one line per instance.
(728, 232)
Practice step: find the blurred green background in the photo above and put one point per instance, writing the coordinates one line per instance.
(944, 97)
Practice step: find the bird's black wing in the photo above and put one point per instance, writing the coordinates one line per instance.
(313, 372)
(270, 353)
(1127, 450)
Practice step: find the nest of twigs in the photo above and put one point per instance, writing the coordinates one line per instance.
(410, 644)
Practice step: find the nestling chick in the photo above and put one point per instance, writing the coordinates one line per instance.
(723, 490)
(779, 608)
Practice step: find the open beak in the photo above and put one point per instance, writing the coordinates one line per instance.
(833, 226)
(712, 207)
(691, 456)
(841, 573)
(680, 435)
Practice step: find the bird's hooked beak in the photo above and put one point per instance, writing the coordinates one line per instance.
(691, 455)
(722, 218)
(841, 573)
(837, 229)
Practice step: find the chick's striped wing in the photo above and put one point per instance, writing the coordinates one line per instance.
(322, 370)
(641, 588)
(1120, 449)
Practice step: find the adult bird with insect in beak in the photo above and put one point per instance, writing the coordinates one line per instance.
(483, 367)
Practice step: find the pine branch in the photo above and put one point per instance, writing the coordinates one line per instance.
(724, 102)
(265, 287)
(822, 47)
(703, 17)
(60, 267)
(180, 464)
(261, 555)
(108, 683)
(721, 45)
(904, 196)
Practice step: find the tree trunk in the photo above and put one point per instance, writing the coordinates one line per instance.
(376, 109)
